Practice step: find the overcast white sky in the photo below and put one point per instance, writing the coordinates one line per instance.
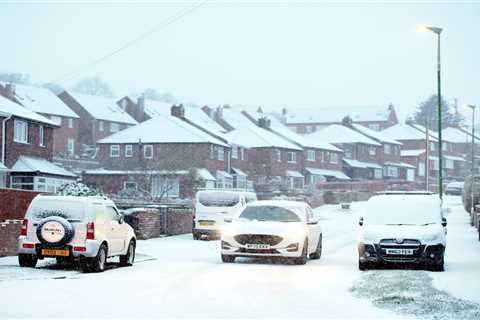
(271, 53)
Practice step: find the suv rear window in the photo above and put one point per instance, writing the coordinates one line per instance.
(66, 209)
(218, 199)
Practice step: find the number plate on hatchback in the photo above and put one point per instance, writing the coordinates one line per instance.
(401, 252)
(55, 252)
(257, 246)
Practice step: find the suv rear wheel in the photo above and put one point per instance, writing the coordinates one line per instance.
(128, 259)
(27, 260)
(96, 264)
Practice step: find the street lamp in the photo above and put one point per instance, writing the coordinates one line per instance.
(472, 208)
(437, 31)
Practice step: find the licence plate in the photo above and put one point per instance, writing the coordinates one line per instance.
(55, 252)
(401, 252)
(207, 223)
(257, 246)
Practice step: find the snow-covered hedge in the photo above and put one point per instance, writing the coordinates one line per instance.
(77, 189)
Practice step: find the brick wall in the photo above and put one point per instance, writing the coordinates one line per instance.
(9, 232)
(14, 203)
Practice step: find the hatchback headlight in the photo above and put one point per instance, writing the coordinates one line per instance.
(432, 237)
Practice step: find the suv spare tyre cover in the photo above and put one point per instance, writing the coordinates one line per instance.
(55, 231)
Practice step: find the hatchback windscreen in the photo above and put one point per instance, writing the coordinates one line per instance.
(218, 199)
(403, 210)
(270, 213)
(65, 209)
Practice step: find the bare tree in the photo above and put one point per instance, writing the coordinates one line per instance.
(15, 77)
(94, 86)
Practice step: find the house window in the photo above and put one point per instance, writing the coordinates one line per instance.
(279, 155)
(421, 169)
(432, 146)
(70, 123)
(114, 151)
(449, 164)
(56, 120)
(291, 157)
(234, 152)
(100, 125)
(71, 147)
(220, 153)
(166, 187)
(320, 156)
(22, 182)
(372, 151)
(374, 126)
(387, 149)
(20, 131)
(390, 171)
(130, 185)
(41, 136)
(148, 151)
(333, 158)
(242, 154)
(348, 153)
(114, 127)
(311, 155)
(128, 151)
(212, 152)
(444, 146)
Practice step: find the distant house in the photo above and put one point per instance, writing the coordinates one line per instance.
(362, 156)
(46, 103)
(310, 120)
(156, 156)
(100, 117)
(27, 149)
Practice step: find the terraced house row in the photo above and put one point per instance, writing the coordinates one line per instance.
(129, 145)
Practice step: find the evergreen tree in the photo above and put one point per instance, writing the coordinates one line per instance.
(427, 113)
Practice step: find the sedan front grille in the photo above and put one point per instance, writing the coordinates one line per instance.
(243, 239)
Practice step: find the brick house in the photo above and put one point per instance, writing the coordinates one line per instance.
(99, 117)
(45, 102)
(362, 156)
(27, 149)
(156, 156)
(462, 146)
(310, 120)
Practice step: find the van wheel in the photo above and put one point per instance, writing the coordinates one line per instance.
(439, 267)
(196, 236)
(100, 261)
(228, 258)
(27, 260)
(128, 259)
(362, 266)
(318, 253)
(303, 258)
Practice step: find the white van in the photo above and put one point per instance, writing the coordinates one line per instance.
(213, 207)
(403, 227)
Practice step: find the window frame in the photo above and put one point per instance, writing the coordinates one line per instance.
(145, 148)
(24, 131)
(311, 155)
(101, 126)
(291, 157)
(128, 147)
(41, 136)
(70, 123)
(117, 148)
(115, 125)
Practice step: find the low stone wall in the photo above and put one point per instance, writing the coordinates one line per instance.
(178, 221)
(9, 232)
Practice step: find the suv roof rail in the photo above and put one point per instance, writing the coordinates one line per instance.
(405, 192)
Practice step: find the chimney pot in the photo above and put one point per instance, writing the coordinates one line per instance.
(10, 90)
(178, 111)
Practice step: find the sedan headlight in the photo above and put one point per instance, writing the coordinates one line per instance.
(433, 237)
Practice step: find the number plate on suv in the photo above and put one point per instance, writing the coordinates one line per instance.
(401, 252)
(257, 246)
(55, 252)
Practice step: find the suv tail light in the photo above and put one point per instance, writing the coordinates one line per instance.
(90, 231)
(194, 212)
(23, 230)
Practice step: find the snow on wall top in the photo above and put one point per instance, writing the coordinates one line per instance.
(162, 129)
(328, 115)
(32, 164)
(42, 100)
(377, 135)
(102, 108)
(336, 133)
(404, 132)
(8, 108)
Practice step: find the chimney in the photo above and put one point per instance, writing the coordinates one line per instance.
(284, 111)
(219, 114)
(10, 90)
(264, 123)
(347, 121)
(141, 103)
(178, 111)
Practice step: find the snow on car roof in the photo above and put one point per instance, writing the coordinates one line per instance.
(336, 133)
(10, 108)
(377, 135)
(102, 108)
(278, 203)
(42, 100)
(336, 114)
(162, 129)
(404, 132)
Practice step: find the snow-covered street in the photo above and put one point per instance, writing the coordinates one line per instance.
(180, 277)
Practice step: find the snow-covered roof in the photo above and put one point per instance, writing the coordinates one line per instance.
(107, 172)
(304, 141)
(404, 132)
(456, 135)
(239, 172)
(256, 137)
(205, 174)
(31, 164)
(42, 100)
(236, 119)
(361, 164)
(294, 174)
(336, 114)
(336, 133)
(399, 164)
(431, 133)
(412, 153)
(376, 135)
(328, 173)
(162, 129)
(454, 158)
(10, 108)
(102, 108)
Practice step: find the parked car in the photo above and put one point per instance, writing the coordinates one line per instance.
(87, 229)
(471, 197)
(212, 207)
(454, 188)
(403, 228)
(275, 228)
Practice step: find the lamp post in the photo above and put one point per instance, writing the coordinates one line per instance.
(472, 208)
(438, 31)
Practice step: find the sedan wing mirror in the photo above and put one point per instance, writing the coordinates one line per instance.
(312, 222)
(444, 222)
(360, 222)
(227, 220)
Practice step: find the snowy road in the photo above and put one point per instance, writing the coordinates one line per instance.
(187, 280)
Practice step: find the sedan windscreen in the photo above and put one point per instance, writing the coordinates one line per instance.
(269, 213)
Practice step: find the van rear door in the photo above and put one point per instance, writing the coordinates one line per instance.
(213, 207)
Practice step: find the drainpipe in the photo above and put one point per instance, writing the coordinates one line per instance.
(4, 134)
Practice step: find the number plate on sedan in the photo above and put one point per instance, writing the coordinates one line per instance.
(401, 252)
(257, 246)
(55, 252)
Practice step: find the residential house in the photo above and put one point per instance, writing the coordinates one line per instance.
(462, 146)
(100, 117)
(45, 102)
(27, 149)
(362, 156)
(306, 121)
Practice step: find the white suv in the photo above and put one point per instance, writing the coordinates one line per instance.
(89, 229)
